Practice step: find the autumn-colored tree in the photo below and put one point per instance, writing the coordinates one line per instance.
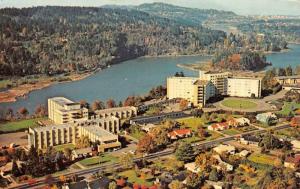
(175, 184)
(23, 111)
(40, 111)
(160, 136)
(202, 133)
(203, 161)
(84, 103)
(62, 178)
(183, 104)
(98, 105)
(110, 103)
(146, 144)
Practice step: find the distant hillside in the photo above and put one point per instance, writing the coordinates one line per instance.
(183, 15)
(55, 40)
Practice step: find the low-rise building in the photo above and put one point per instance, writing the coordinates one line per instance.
(250, 140)
(222, 163)
(119, 112)
(62, 110)
(267, 118)
(296, 145)
(179, 133)
(218, 126)
(292, 162)
(288, 80)
(81, 153)
(238, 122)
(224, 149)
(110, 124)
(192, 167)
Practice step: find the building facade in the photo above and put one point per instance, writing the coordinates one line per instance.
(62, 110)
(217, 78)
(119, 112)
(110, 124)
(203, 91)
(244, 87)
(181, 87)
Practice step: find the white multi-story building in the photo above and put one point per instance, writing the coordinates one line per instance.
(244, 87)
(181, 87)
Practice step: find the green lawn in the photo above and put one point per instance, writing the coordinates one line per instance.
(231, 132)
(132, 177)
(14, 126)
(191, 122)
(192, 139)
(63, 146)
(288, 107)
(213, 135)
(239, 104)
(95, 160)
(138, 134)
(288, 133)
(4, 83)
(262, 158)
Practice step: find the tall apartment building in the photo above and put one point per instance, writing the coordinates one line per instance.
(217, 78)
(244, 87)
(62, 110)
(189, 88)
(181, 87)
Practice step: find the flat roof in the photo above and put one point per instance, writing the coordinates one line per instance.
(63, 101)
(288, 77)
(249, 78)
(52, 127)
(98, 131)
(116, 109)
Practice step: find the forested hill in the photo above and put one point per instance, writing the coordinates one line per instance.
(190, 16)
(54, 40)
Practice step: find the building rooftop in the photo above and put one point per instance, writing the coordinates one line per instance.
(101, 133)
(288, 77)
(63, 101)
(116, 109)
(52, 127)
(201, 82)
(251, 78)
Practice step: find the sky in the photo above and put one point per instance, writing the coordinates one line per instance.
(243, 7)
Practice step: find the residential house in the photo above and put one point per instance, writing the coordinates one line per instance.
(250, 140)
(238, 122)
(296, 145)
(267, 118)
(222, 163)
(218, 126)
(295, 122)
(179, 133)
(244, 153)
(147, 127)
(224, 149)
(215, 185)
(192, 167)
(292, 161)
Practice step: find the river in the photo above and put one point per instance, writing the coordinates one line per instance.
(133, 77)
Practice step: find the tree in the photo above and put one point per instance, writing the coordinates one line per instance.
(146, 144)
(97, 105)
(193, 180)
(83, 142)
(214, 175)
(281, 72)
(297, 70)
(202, 133)
(175, 184)
(203, 161)
(15, 169)
(112, 185)
(183, 104)
(84, 103)
(185, 152)
(110, 103)
(40, 111)
(289, 70)
(126, 160)
(23, 111)
(160, 136)
(68, 153)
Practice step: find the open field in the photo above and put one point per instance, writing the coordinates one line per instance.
(132, 177)
(231, 132)
(191, 122)
(107, 158)
(14, 126)
(288, 108)
(262, 158)
(239, 104)
(289, 132)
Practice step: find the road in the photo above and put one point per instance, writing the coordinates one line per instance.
(40, 182)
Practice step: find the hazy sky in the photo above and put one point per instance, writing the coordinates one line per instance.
(278, 7)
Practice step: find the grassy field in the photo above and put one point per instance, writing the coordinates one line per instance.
(239, 104)
(138, 134)
(231, 132)
(4, 83)
(88, 162)
(132, 177)
(191, 122)
(262, 158)
(14, 126)
(63, 146)
(288, 107)
(288, 132)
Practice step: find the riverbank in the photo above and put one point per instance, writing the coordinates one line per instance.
(21, 91)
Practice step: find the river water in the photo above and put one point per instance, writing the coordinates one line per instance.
(133, 77)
